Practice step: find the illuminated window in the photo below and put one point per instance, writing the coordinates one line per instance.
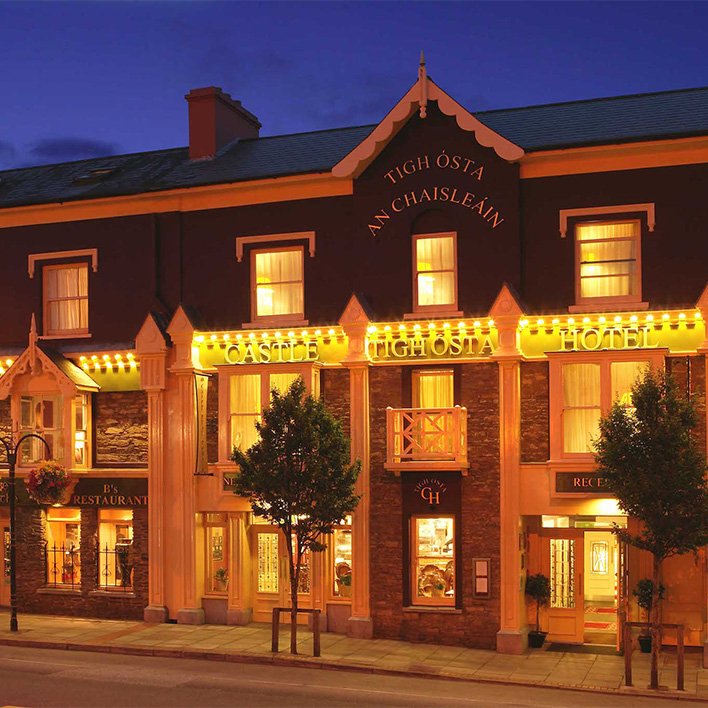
(41, 415)
(588, 389)
(217, 553)
(608, 261)
(341, 554)
(278, 284)
(246, 396)
(82, 416)
(116, 557)
(435, 273)
(62, 550)
(433, 560)
(433, 388)
(66, 299)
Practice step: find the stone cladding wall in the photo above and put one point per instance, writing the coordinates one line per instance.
(477, 623)
(334, 388)
(5, 419)
(121, 428)
(33, 596)
(535, 435)
(690, 374)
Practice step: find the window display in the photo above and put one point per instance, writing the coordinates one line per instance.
(63, 559)
(217, 553)
(116, 559)
(341, 545)
(433, 557)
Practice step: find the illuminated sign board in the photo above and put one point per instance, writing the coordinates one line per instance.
(433, 345)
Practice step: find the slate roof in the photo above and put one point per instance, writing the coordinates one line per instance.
(668, 114)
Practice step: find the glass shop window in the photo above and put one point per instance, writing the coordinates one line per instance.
(41, 415)
(217, 553)
(65, 299)
(116, 555)
(433, 560)
(435, 276)
(607, 254)
(63, 547)
(278, 284)
(341, 555)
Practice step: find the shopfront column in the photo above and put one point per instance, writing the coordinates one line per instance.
(180, 484)
(152, 353)
(355, 322)
(512, 635)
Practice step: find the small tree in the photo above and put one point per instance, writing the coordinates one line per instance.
(538, 588)
(652, 464)
(298, 476)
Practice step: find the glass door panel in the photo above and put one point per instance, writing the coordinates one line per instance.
(563, 564)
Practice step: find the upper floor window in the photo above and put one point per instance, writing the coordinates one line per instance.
(435, 273)
(608, 258)
(65, 297)
(277, 284)
(433, 388)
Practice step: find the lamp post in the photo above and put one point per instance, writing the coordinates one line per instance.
(11, 452)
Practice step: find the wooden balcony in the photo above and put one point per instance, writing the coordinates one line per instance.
(426, 439)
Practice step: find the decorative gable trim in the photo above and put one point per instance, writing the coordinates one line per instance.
(419, 95)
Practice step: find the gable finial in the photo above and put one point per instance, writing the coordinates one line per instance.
(33, 343)
(423, 82)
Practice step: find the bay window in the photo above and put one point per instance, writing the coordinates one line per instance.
(41, 415)
(435, 273)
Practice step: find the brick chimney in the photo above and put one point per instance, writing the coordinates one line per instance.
(215, 119)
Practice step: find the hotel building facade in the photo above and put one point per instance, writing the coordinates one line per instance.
(468, 293)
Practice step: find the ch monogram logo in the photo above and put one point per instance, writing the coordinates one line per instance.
(430, 490)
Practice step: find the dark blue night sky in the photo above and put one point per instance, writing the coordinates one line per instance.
(87, 79)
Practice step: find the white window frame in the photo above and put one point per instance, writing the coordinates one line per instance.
(654, 358)
(431, 310)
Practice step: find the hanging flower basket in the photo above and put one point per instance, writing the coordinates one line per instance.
(49, 483)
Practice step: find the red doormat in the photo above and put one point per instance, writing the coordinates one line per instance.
(601, 610)
(601, 626)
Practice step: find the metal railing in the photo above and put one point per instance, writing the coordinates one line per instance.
(62, 566)
(426, 435)
(115, 567)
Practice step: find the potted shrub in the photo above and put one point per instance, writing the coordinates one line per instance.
(538, 588)
(644, 592)
(222, 578)
(345, 585)
(49, 483)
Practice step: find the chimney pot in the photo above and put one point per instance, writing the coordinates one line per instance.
(215, 119)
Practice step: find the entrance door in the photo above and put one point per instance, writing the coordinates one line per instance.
(563, 564)
(271, 575)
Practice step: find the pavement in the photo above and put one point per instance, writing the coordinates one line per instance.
(252, 644)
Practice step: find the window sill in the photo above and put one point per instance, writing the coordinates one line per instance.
(426, 609)
(59, 591)
(603, 305)
(432, 314)
(276, 322)
(117, 593)
(68, 335)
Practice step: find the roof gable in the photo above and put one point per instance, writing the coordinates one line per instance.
(417, 98)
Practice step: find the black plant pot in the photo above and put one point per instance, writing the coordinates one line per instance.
(644, 644)
(536, 639)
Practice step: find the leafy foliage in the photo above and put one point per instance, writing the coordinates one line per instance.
(652, 464)
(538, 588)
(298, 476)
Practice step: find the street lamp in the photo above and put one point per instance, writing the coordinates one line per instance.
(12, 461)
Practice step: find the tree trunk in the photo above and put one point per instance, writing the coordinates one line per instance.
(294, 578)
(655, 626)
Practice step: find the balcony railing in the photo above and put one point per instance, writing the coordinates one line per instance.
(426, 437)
